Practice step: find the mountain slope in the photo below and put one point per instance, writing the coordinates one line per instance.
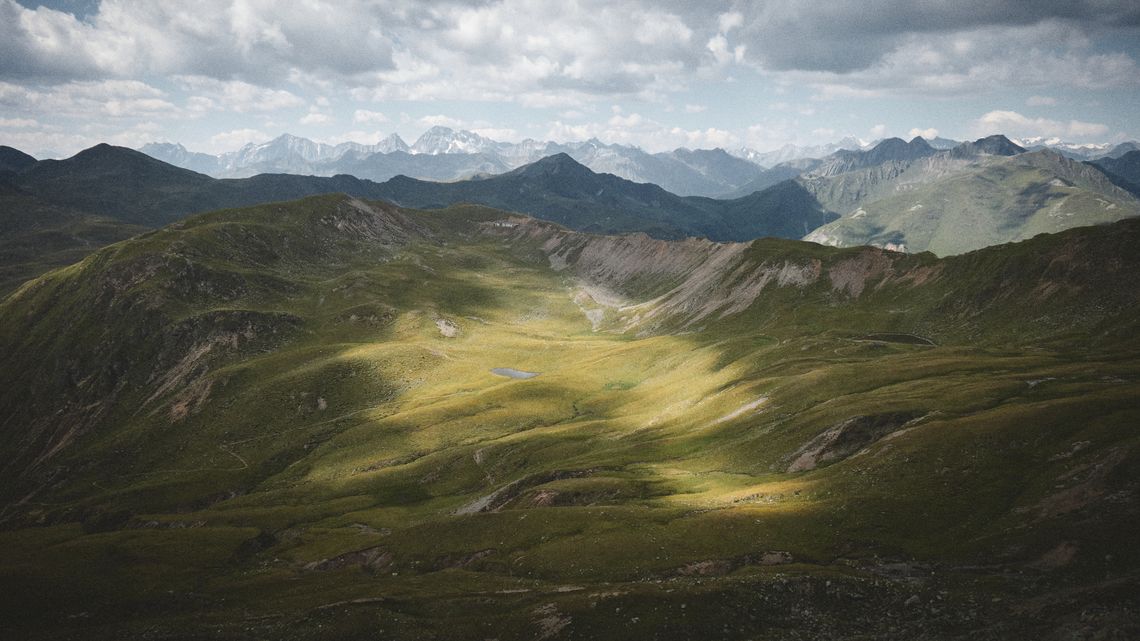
(36, 236)
(435, 167)
(123, 188)
(1126, 166)
(283, 422)
(889, 150)
(562, 190)
(975, 195)
(14, 160)
(177, 155)
(119, 183)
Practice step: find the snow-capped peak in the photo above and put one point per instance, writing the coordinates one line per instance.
(444, 140)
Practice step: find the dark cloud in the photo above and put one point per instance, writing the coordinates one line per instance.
(847, 36)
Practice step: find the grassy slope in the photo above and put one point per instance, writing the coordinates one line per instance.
(995, 201)
(36, 237)
(640, 481)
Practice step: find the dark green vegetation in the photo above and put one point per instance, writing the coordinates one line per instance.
(37, 236)
(279, 422)
(560, 189)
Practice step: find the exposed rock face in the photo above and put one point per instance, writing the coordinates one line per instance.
(682, 283)
(844, 439)
(370, 560)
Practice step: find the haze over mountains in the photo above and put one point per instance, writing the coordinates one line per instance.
(444, 154)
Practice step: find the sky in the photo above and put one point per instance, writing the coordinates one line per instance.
(216, 74)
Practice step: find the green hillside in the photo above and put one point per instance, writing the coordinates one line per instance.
(36, 236)
(951, 206)
(282, 422)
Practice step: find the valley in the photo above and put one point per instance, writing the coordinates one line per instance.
(603, 320)
(283, 422)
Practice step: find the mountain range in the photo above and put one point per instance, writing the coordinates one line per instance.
(912, 197)
(901, 195)
(445, 154)
(134, 188)
(106, 193)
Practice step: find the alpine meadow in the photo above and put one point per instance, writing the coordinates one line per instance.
(762, 321)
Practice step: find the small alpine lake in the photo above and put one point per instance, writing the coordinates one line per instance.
(511, 372)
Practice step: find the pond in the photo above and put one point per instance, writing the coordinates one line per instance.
(512, 372)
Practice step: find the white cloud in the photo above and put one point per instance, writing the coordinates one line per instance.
(366, 116)
(117, 99)
(729, 21)
(239, 96)
(1012, 123)
(722, 52)
(252, 39)
(314, 118)
(241, 61)
(930, 133)
(632, 120)
(18, 123)
(771, 135)
(52, 142)
(234, 139)
(440, 120)
(878, 131)
(541, 54)
(648, 134)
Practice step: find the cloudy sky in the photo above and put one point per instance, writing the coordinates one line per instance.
(214, 74)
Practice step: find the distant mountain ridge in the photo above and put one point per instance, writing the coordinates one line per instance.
(133, 188)
(909, 197)
(562, 190)
(446, 154)
(1125, 166)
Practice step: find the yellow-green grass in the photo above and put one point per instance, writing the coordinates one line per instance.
(633, 475)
